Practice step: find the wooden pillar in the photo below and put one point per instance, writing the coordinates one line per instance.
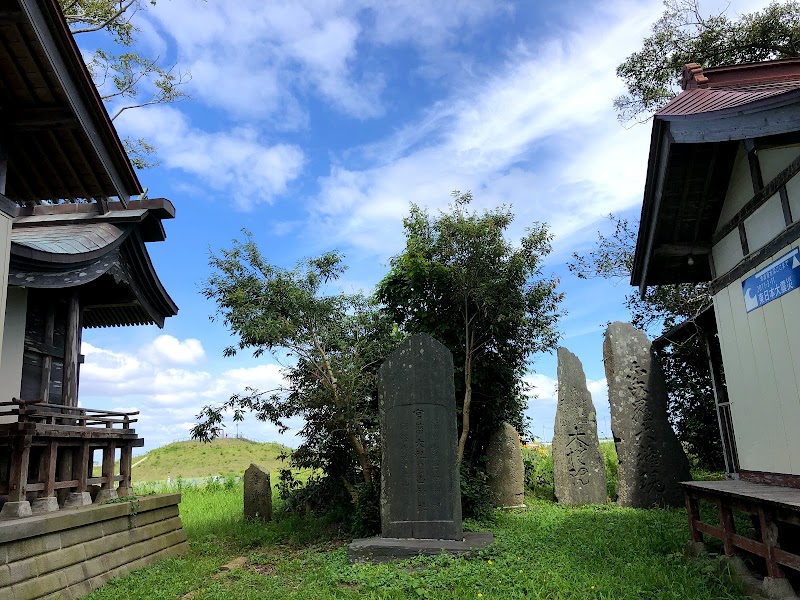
(125, 460)
(66, 460)
(769, 536)
(47, 473)
(72, 349)
(83, 468)
(693, 511)
(107, 491)
(18, 473)
(728, 527)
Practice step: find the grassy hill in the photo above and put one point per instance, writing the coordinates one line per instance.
(197, 459)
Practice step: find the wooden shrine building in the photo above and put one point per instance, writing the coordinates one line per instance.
(74, 223)
(722, 205)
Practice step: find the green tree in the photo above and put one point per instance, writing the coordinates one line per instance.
(461, 281)
(129, 75)
(684, 35)
(333, 344)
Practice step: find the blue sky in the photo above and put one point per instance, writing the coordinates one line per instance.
(314, 125)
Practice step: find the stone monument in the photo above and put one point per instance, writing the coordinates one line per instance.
(505, 468)
(579, 471)
(420, 485)
(651, 459)
(257, 494)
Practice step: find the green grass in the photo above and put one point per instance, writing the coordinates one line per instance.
(544, 551)
(198, 459)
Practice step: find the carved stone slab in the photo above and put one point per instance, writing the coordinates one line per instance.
(420, 489)
(651, 459)
(257, 494)
(505, 468)
(579, 471)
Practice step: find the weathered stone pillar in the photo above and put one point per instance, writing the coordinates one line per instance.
(257, 494)
(505, 468)
(579, 470)
(651, 459)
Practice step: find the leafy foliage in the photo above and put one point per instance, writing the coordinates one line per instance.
(131, 76)
(692, 409)
(333, 342)
(684, 35)
(462, 282)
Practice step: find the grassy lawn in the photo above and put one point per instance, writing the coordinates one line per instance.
(544, 551)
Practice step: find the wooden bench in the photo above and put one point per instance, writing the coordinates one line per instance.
(768, 505)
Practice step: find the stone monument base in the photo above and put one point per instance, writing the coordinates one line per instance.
(381, 550)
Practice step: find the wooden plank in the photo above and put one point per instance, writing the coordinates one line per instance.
(709, 529)
(786, 559)
(749, 545)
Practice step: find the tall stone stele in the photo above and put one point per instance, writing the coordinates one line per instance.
(651, 459)
(579, 470)
(257, 494)
(420, 489)
(505, 468)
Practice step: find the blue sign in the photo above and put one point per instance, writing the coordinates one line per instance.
(773, 281)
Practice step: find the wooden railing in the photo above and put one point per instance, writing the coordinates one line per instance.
(48, 453)
(38, 411)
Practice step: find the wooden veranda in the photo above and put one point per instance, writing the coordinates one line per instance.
(47, 456)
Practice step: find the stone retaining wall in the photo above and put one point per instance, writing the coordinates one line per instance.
(69, 553)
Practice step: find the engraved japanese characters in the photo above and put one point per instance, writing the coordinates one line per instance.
(578, 468)
(651, 459)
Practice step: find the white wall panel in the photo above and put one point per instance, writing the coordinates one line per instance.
(13, 345)
(740, 189)
(727, 253)
(761, 356)
(775, 160)
(765, 223)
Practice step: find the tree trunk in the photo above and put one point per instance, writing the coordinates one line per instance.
(462, 441)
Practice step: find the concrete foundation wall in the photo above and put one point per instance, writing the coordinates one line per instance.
(69, 553)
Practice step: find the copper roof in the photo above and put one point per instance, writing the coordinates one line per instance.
(63, 246)
(721, 88)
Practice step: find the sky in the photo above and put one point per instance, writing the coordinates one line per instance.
(314, 125)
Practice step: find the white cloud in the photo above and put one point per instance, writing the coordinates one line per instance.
(173, 351)
(540, 134)
(237, 161)
(169, 398)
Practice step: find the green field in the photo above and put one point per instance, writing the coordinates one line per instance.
(544, 551)
(229, 456)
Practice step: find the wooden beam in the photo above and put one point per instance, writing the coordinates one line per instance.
(694, 249)
(72, 349)
(78, 106)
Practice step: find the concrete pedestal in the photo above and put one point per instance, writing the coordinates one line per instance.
(44, 505)
(16, 509)
(381, 550)
(104, 495)
(78, 499)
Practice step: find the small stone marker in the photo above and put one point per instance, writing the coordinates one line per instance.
(257, 494)
(420, 484)
(505, 468)
(579, 470)
(651, 459)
